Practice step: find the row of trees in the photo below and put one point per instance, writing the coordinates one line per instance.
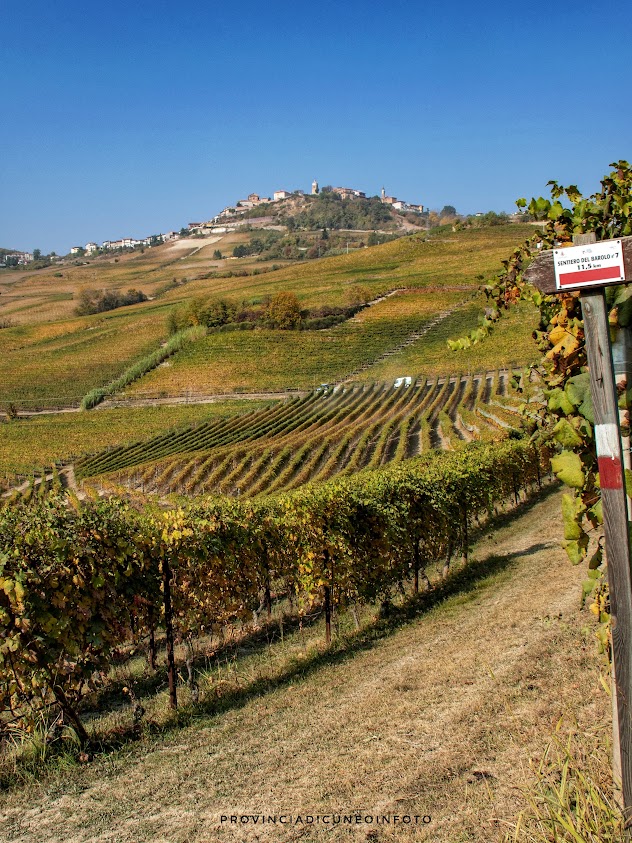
(99, 301)
(282, 311)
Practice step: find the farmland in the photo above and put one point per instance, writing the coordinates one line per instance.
(324, 434)
(50, 358)
(50, 365)
(351, 490)
(35, 442)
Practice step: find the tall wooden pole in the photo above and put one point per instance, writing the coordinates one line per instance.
(615, 515)
(622, 358)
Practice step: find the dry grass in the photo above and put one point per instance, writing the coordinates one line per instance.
(439, 718)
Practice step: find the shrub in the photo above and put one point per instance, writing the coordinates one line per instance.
(100, 301)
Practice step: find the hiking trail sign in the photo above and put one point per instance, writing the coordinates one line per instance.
(592, 265)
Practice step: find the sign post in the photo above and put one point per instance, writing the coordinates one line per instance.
(589, 266)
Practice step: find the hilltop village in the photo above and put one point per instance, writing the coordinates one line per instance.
(233, 212)
(232, 217)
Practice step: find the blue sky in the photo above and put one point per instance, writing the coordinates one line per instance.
(127, 119)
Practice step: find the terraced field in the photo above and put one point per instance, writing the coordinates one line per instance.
(333, 431)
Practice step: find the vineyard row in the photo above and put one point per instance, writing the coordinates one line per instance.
(312, 439)
(78, 584)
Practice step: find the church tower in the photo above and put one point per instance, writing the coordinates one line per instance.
(314, 187)
(383, 194)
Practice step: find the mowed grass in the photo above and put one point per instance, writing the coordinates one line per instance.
(38, 441)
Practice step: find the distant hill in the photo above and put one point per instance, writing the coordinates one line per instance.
(329, 210)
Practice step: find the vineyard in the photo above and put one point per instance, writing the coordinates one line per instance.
(51, 359)
(329, 432)
(80, 586)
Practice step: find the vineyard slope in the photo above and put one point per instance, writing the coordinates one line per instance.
(440, 718)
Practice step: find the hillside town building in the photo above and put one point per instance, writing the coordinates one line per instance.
(348, 193)
(18, 258)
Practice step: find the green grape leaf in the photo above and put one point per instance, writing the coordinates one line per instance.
(595, 513)
(572, 512)
(566, 435)
(576, 550)
(558, 400)
(577, 391)
(623, 303)
(568, 467)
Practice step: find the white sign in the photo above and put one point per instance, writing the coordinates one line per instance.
(593, 265)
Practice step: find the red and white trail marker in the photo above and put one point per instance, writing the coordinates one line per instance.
(609, 456)
(592, 265)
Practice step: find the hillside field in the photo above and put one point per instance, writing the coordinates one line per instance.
(51, 359)
(352, 482)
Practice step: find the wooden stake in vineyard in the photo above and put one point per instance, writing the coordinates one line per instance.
(589, 266)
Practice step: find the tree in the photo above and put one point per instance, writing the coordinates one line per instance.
(217, 255)
(358, 295)
(284, 311)
(37, 254)
(448, 211)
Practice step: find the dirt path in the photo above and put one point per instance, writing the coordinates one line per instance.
(439, 719)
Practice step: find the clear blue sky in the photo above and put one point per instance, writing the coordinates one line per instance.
(127, 119)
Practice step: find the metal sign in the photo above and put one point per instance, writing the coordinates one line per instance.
(593, 265)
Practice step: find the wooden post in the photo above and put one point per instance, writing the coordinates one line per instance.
(615, 515)
(622, 357)
(327, 614)
(171, 664)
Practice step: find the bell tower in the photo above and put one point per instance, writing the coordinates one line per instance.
(314, 187)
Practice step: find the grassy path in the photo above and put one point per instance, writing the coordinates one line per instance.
(438, 718)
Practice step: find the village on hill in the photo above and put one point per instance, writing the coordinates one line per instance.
(232, 217)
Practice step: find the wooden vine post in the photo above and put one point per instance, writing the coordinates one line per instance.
(589, 266)
(171, 664)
